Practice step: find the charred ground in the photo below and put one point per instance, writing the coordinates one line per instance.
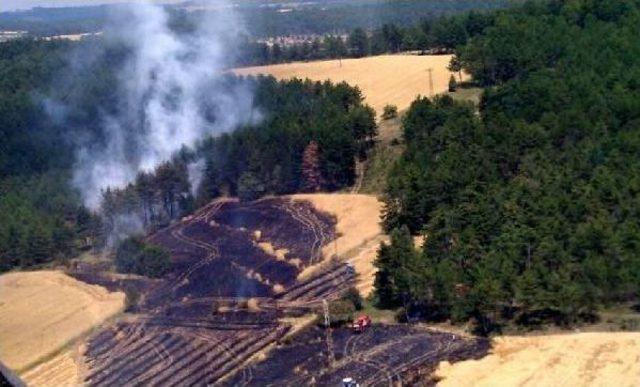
(221, 302)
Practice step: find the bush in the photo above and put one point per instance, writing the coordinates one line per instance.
(135, 256)
(389, 112)
(341, 312)
(353, 296)
(453, 85)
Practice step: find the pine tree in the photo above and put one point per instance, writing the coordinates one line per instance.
(453, 85)
(311, 175)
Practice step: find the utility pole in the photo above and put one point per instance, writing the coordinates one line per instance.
(430, 70)
(325, 309)
(327, 324)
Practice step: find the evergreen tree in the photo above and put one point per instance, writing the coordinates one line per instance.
(453, 85)
(358, 43)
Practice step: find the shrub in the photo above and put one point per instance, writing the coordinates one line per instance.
(135, 256)
(341, 312)
(389, 111)
(353, 296)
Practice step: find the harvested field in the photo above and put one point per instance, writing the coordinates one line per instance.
(358, 229)
(382, 355)
(582, 359)
(384, 79)
(42, 311)
(61, 370)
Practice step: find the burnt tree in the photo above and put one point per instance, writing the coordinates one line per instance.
(311, 175)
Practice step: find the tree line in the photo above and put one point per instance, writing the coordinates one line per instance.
(529, 209)
(434, 35)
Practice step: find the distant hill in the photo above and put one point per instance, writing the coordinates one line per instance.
(272, 18)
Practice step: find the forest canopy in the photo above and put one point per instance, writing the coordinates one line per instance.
(529, 208)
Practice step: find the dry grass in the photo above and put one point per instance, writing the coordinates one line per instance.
(42, 312)
(359, 230)
(384, 79)
(61, 370)
(581, 359)
(279, 254)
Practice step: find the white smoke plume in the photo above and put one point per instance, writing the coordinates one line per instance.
(196, 172)
(169, 87)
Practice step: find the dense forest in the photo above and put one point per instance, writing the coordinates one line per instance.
(529, 209)
(41, 215)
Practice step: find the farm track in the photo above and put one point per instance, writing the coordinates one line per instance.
(311, 221)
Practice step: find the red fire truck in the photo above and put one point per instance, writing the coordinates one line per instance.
(361, 323)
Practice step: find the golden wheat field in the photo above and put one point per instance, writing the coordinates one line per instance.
(580, 359)
(384, 79)
(43, 312)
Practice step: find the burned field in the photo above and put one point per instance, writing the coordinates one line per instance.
(381, 356)
(233, 275)
(220, 302)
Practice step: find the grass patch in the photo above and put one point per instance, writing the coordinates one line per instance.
(380, 161)
(381, 158)
(470, 94)
(387, 316)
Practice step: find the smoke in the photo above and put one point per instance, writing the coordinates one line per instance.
(123, 226)
(172, 93)
(195, 171)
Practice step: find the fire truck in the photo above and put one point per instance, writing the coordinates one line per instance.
(361, 323)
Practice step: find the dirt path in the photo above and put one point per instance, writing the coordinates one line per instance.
(360, 168)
